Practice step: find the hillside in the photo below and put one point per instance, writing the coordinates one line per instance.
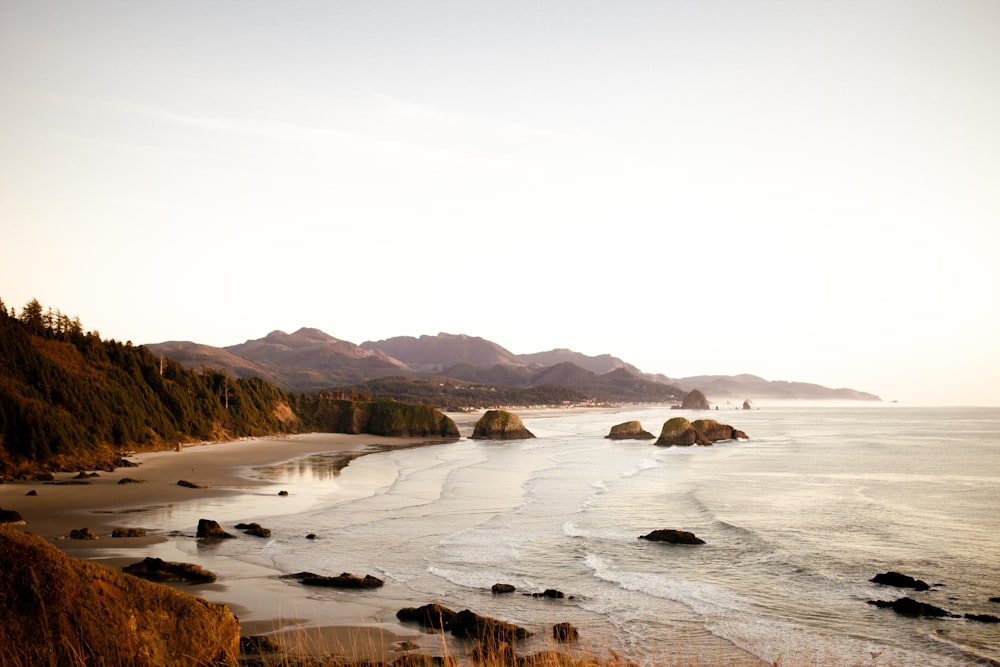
(401, 368)
(70, 400)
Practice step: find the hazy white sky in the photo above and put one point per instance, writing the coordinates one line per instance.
(800, 190)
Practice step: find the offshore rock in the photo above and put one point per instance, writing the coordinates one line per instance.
(747, 405)
(681, 432)
(500, 589)
(694, 400)
(672, 536)
(433, 615)
(900, 581)
(629, 431)
(485, 629)
(342, 580)
(910, 607)
(60, 610)
(500, 425)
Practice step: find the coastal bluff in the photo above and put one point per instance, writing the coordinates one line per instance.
(62, 611)
(500, 425)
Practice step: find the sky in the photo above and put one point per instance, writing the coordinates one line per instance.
(804, 191)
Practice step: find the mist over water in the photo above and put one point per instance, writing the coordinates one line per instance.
(796, 520)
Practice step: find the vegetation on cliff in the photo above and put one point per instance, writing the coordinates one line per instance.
(70, 400)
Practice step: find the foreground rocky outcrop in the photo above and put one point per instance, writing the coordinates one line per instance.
(63, 611)
(500, 425)
(629, 431)
(683, 433)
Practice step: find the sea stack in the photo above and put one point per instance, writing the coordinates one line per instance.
(695, 400)
(500, 425)
(681, 432)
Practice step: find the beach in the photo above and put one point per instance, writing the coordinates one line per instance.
(264, 603)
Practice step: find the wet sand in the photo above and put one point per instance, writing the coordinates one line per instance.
(304, 621)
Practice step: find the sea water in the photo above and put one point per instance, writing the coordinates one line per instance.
(796, 520)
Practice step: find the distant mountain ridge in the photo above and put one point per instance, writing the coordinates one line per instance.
(310, 359)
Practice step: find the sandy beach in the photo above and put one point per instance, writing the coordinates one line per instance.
(302, 620)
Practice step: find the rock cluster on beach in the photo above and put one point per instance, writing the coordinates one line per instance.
(500, 425)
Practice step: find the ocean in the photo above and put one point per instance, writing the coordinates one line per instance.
(796, 521)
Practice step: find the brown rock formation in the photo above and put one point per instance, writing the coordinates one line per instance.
(500, 425)
(679, 431)
(156, 569)
(629, 431)
(207, 528)
(62, 611)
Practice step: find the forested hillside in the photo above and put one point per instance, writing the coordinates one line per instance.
(70, 399)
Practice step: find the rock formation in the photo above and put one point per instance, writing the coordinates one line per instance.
(672, 536)
(63, 611)
(911, 607)
(156, 569)
(500, 425)
(629, 431)
(679, 431)
(342, 580)
(747, 405)
(900, 581)
(12, 517)
(694, 400)
(207, 528)
(254, 529)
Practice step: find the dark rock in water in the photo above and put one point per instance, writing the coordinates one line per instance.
(210, 529)
(311, 536)
(900, 581)
(128, 532)
(282, 493)
(258, 645)
(342, 580)
(11, 516)
(32, 493)
(500, 425)
(191, 485)
(254, 529)
(983, 618)
(694, 400)
(485, 629)
(910, 607)
(996, 599)
(672, 536)
(550, 593)
(629, 431)
(681, 432)
(156, 569)
(564, 632)
(130, 480)
(82, 534)
(747, 405)
(503, 588)
(433, 615)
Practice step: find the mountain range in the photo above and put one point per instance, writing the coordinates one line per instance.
(451, 364)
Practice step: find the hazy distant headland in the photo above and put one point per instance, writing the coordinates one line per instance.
(463, 371)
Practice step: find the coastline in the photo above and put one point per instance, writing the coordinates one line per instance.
(304, 623)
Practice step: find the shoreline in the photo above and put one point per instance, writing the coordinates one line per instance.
(307, 621)
(303, 622)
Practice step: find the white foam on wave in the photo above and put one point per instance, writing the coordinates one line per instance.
(641, 466)
(575, 529)
(703, 598)
(476, 545)
(478, 578)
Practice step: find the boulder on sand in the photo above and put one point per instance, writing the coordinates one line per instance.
(156, 569)
(207, 528)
